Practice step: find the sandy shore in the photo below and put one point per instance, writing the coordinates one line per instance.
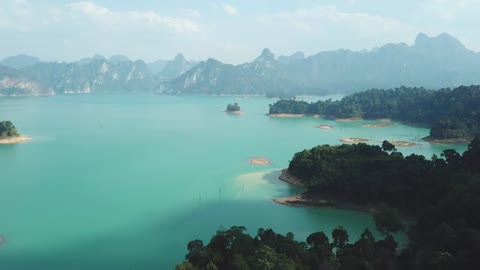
(18, 139)
(235, 112)
(384, 125)
(403, 143)
(447, 141)
(292, 180)
(354, 140)
(259, 161)
(347, 119)
(324, 127)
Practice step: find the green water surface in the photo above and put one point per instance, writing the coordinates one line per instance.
(124, 181)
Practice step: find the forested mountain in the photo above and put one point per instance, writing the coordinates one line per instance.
(175, 68)
(116, 59)
(88, 60)
(13, 82)
(262, 76)
(451, 113)
(441, 194)
(95, 75)
(286, 60)
(91, 74)
(432, 62)
(19, 61)
(157, 66)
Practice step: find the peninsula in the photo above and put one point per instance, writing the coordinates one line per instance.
(361, 176)
(451, 114)
(9, 134)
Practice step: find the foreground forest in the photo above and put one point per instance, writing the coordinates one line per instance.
(441, 194)
(450, 113)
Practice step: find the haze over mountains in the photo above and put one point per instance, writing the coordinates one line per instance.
(431, 62)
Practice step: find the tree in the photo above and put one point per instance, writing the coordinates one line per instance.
(211, 266)
(196, 253)
(387, 146)
(318, 240)
(185, 266)
(238, 263)
(472, 155)
(340, 237)
(233, 107)
(266, 257)
(7, 129)
(387, 221)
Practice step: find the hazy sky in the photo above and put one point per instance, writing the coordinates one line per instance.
(232, 31)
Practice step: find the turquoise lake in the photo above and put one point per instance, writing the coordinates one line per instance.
(124, 181)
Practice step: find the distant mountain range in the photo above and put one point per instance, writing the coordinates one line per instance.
(432, 62)
(264, 75)
(26, 75)
(19, 61)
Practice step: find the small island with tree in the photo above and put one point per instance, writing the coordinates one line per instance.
(9, 134)
(233, 108)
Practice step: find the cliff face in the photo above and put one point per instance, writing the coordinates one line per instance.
(62, 78)
(14, 83)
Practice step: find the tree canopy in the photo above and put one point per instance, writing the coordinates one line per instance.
(233, 107)
(237, 250)
(7, 129)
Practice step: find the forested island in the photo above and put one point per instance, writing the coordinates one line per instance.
(441, 194)
(233, 108)
(9, 133)
(452, 114)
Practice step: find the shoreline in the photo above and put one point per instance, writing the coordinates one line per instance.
(383, 125)
(348, 120)
(355, 140)
(317, 201)
(13, 140)
(447, 141)
(290, 179)
(234, 112)
(311, 200)
(292, 115)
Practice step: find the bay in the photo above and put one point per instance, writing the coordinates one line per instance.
(124, 181)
